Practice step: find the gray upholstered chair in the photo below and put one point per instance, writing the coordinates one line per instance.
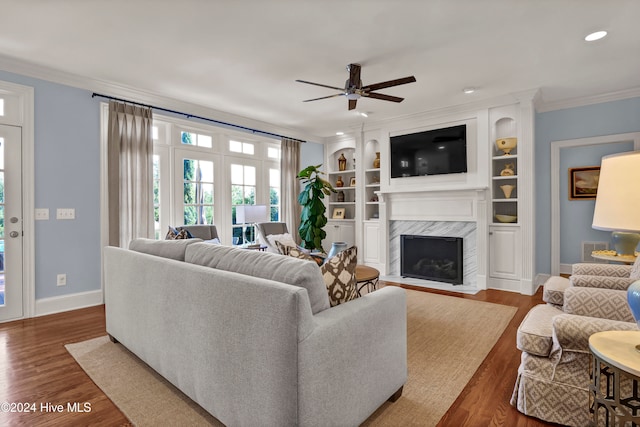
(206, 232)
(553, 378)
(265, 229)
(591, 275)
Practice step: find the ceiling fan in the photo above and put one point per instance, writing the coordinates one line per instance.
(353, 88)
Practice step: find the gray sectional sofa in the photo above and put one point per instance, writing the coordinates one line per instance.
(250, 336)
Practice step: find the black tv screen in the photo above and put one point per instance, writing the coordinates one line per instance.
(432, 152)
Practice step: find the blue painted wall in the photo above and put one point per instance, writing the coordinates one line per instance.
(581, 122)
(67, 175)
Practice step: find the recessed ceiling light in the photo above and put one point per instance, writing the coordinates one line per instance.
(339, 133)
(469, 90)
(595, 36)
(363, 114)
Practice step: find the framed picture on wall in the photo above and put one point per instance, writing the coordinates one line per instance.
(583, 182)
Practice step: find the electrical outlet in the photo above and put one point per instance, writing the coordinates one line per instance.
(62, 279)
(69, 213)
(42, 214)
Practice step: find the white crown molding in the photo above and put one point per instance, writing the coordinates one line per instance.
(543, 107)
(29, 69)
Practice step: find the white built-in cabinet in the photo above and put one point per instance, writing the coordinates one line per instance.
(511, 223)
(341, 206)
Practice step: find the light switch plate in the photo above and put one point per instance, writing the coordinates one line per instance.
(67, 213)
(42, 214)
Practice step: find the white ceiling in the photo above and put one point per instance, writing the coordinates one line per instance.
(243, 57)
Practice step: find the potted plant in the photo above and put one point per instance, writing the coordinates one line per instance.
(313, 218)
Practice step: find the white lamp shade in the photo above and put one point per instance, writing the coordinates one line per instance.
(249, 214)
(618, 198)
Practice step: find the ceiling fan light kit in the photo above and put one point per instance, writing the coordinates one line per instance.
(353, 89)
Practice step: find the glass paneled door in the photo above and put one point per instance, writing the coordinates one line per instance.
(10, 223)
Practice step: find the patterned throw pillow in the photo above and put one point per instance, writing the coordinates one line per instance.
(283, 249)
(174, 234)
(338, 272)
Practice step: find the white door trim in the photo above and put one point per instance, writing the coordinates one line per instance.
(24, 97)
(556, 146)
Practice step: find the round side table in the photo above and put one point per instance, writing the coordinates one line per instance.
(614, 391)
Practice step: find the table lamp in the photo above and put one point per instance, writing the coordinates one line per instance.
(618, 200)
(250, 214)
(617, 208)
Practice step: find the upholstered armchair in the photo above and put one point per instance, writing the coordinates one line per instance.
(208, 233)
(265, 229)
(553, 377)
(591, 275)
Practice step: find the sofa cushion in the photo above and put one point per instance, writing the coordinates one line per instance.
(173, 249)
(553, 290)
(264, 265)
(536, 330)
(338, 272)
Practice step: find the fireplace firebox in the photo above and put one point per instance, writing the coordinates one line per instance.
(431, 258)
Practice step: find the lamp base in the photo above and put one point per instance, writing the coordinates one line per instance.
(625, 243)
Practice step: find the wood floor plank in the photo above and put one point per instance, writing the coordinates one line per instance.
(36, 368)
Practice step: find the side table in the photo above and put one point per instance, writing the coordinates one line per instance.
(614, 393)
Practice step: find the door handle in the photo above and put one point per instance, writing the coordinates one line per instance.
(14, 234)
(13, 220)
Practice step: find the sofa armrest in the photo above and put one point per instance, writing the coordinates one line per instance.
(571, 332)
(596, 302)
(606, 282)
(596, 269)
(357, 354)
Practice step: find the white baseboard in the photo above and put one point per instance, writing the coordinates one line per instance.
(59, 304)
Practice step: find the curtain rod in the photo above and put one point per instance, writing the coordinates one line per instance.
(190, 116)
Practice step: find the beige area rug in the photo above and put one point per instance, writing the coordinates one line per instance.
(448, 338)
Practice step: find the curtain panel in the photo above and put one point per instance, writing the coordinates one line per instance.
(130, 173)
(289, 185)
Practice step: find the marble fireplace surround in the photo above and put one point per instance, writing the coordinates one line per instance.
(458, 212)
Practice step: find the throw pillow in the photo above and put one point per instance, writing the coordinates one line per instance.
(338, 272)
(285, 239)
(283, 249)
(174, 234)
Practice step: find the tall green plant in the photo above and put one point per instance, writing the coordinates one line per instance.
(313, 216)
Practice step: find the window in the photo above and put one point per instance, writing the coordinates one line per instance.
(198, 196)
(156, 196)
(201, 173)
(189, 138)
(241, 147)
(274, 194)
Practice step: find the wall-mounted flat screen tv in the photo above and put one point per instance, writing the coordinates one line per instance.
(432, 152)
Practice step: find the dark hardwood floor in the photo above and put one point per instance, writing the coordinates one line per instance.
(36, 370)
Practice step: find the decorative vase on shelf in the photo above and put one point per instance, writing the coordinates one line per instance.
(342, 162)
(507, 189)
(509, 170)
(336, 248)
(339, 181)
(376, 161)
(506, 145)
(340, 196)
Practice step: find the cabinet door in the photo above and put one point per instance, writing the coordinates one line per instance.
(505, 255)
(339, 232)
(371, 242)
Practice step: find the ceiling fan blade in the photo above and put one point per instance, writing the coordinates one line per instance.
(390, 83)
(324, 97)
(383, 97)
(354, 76)
(318, 84)
(352, 104)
